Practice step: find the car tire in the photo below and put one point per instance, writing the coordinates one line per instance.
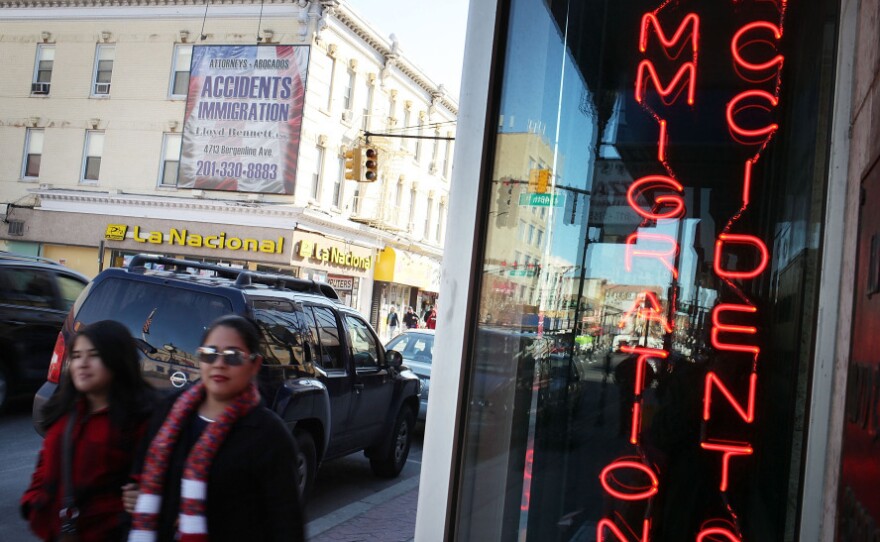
(391, 463)
(306, 463)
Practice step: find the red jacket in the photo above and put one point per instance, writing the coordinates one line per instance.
(102, 463)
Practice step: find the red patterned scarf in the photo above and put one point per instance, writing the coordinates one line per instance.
(192, 525)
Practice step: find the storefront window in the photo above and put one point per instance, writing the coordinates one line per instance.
(639, 369)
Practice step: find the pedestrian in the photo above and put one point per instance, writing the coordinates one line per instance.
(393, 322)
(219, 464)
(93, 424)
(431, 318)
(410, 319)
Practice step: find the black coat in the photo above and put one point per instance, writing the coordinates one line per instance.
(252, 489)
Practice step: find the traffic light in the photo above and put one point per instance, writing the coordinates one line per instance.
(370, 169)
(504, 203)
(538, 180)
(353, 164)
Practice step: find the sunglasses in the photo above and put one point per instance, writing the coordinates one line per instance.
(209, 354)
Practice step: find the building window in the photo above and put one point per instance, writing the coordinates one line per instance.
(33, 154)
(436, 152)
(441, 222)
(43, 69)
(348, 93)
(428, 218)
(540, 238)
(406, 113)
(419, 141)
(339, 184)
(356, 203)
(412, 209)
(392, 107)
(94, 148)
(398, 201)
(446, 156)
(103, 69)
(170, 159)
(332, 83)
(318, 177)
(368, 108)
(180, 70)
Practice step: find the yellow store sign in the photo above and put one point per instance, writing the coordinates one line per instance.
(311, 250)
(183, 237)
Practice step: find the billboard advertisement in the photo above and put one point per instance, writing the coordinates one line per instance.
(243, 118)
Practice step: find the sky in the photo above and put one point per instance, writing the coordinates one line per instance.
(430, 33)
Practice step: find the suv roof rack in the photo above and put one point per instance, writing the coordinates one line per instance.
(243, 277)
(5, 255)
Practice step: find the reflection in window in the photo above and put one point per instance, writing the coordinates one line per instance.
(330, 357)
(364, 346)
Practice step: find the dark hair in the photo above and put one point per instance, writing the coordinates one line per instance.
(246, 328)
(130, 398)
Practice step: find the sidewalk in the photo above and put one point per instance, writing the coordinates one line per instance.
(386, 516)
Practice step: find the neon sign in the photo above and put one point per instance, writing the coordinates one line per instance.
(755, 59)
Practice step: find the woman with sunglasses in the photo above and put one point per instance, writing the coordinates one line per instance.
(219, 465)
(93, 424)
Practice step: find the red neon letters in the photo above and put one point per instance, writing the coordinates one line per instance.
(606, 523)
(743, 240)
(649, 19)
(667, 257)
(734, 107)
(673, 203)
(651, 490)
(736, 48)
(747, 415)
(714, 531)
(719, 327)
(688, 70)
(729, 450)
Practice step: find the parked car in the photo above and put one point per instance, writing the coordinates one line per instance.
(324, 372)
(35, 296)
(417, 348)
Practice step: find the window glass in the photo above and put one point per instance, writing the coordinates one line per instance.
(94, 148)
(364, 345)
(45, 62)
(70, 289)
(278, 324)
(643, 372)
(34, 153)
(414, 347)
(330, 358)
(27, 288)
(180, 76)
(171, 144)
(104, 68)
(166, 322)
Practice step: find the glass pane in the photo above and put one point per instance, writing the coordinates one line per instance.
(93, 168)
(184, 57)
(171, 150)
(648, 285)
(106, 53)
(364, 346)
(328, 336)
(95, 146)
(32, 166)
(35, 141)
(27, 288)
(169, 172)
(181, 83)
(70, 289)
(47, 54)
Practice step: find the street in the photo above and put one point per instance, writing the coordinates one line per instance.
(347, 497)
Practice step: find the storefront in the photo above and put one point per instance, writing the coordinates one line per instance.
(403, 279)
(345, 266)
(683, 205)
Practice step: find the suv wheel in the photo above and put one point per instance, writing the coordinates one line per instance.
(306, 462)
(390, 465)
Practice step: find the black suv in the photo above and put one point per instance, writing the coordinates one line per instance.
(325, 370)
(35, 296)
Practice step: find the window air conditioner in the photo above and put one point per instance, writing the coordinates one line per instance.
(39, 88)
(346, 116)
(102, 88)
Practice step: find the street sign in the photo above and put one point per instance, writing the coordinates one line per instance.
(541, 200)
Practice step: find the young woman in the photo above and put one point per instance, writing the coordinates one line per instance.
(219, 465)
(93, 425)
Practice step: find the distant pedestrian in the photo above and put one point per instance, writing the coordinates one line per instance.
(410, 319)
(393, 322)
(93, 424)
(431, 318)
(219, 465)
